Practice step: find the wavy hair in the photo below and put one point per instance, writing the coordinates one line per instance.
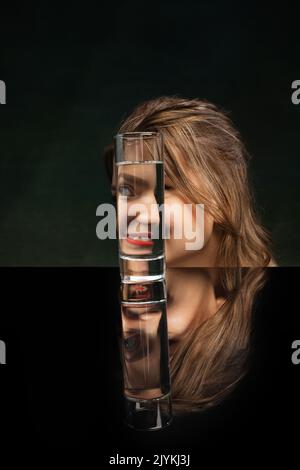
(212, 359)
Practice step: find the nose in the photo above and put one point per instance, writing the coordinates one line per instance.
(148, 212)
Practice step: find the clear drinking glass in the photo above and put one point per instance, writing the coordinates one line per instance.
(145, 355)
(140, 198)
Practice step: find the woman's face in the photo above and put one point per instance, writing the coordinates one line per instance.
(138, 201)
(137, 204)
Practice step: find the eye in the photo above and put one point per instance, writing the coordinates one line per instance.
(126, 190)
(131, 343)
(168, 187)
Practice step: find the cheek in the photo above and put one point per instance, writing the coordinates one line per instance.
(174, 246)
(122, 207)
(202, 222)
(174, 214)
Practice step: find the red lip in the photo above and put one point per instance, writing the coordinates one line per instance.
(140, 239)
(141, 292)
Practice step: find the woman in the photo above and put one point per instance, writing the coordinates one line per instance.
(205, 163)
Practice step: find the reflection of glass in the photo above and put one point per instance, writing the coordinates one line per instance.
(140, 195)
(145, 350)
(145, 358)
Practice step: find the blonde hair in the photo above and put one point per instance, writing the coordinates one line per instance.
(200, 141)
(214, 356)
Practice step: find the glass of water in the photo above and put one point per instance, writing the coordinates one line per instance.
(145, 355)
(140, 197)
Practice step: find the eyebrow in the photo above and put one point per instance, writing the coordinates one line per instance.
(136, 179)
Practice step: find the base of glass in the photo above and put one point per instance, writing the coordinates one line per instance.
(135, 270)
(148, 415)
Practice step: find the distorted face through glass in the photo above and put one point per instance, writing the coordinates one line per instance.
(138, 203)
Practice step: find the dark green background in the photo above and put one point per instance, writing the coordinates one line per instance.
(72, 73)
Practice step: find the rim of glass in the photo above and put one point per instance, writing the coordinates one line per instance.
(135, 135)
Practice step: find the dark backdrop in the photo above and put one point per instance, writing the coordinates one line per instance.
(72, 72)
